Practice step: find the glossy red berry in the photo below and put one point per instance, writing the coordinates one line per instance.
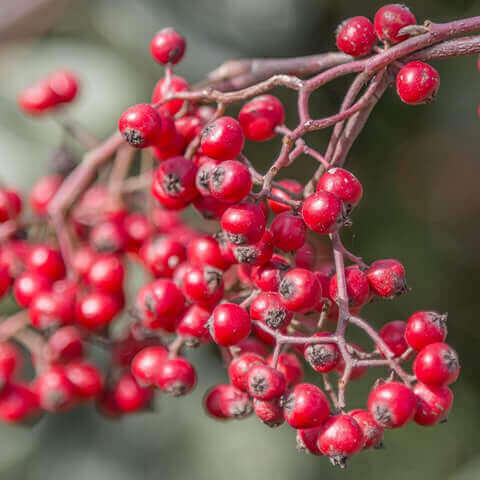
(434, 403)
(291, 185)
(356, 36)
(270, 412)
(244, 223)
(137, 229)
(234, 403)
(162, 255)
(83, 259)
(424, 328)
(390, 19)
(37, 99)
(55, 391)
(291, 368)
(96, 310)
(64, 84)
(10, 362)
(240, 366)
(322, 357)
(268, 308)
(189, 126)
(222, 139)
(417, 83)
(212, 399)
(229, 324)
(164, 89)
(230, 181)
(392, 404)
(108, 237)
(343, 184)
(28, 285)
(85, 378)
(299, 290)
(176, 376)
(206, 251)
(203, 285)
(289, 232)
(323, 212)
(10, 204)
(265, 382)
(306, 256)
(307, 440)
(129, 395)
(167, 46)
(18, 404)
(436, 364)
(387, 278)
(267, 277)
(146, 364)
(106, 274)
(393, 334)
(306, 406)
(340, 438)
(51, 309)
(260, 116)
(192, 325)
(358, 289)
(46, 261)
(65, 345)
(372, 431)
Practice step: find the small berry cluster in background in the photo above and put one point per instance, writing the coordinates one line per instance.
(270, 290)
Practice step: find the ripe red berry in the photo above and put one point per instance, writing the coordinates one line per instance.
(270, 412)
(229, 324)
(202, 180)
(256, 254)
(289, 232)
(265, 382)
(417, 83)
(393, 334)
(424, 328)
(239, 368)
(291, 185)
(206, 251)
(358, 289)
(343, 184)
(356, 36)
(18, 404)
(436, 364)
(10, 362)
(212, 399)
(306, 257)
(260, 116)
(106, 274)
(174, 183)
(10, 204)
(323, 212)
(307, 440)
(269, 309)
(434, 403)
(146, 364)
(174, 148)
(189, 126)
(387, 278)
(37, 98)
(244, 223)
(222, 139)
(372, 431)
(162, 255)
(96, 310)
(65, 345)
(339, 438)
(137, 229)
(306, 406)
(176, 376)
(55, 391)
(267, 277)
(230, 181)
(28, 285)
(163, 89)
(203, 285)
(167, 46)
(392, 404)
(193, 325)
(390, 19)
(322, 357)
(85, 378)
(108, 237)
(46, 261)
(129, 395)
(64, 84)
(234, 403)
(291, 368)
(51, 309)
(299, 290)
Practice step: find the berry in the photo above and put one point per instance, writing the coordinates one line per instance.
(305, 257)
(299, 290)
(137, 230)
(164, 89)
(390, 19)
(343, 184)
(108, 237)
(96, 310)
(18, 404)
(46, 261)
(437, 364)
(83, 259)
(167, 46)
(392, 404)
(234, 403)
(10, 362)
(37, 99)
(229, 324)
(212, 399)
(265, 382)
(175, 148)
(291, 368)
(417, 83)
(434, 403)
(356, 36)
(257, 254)
(189, 127)
(393, 334)
(424, 328)
(85, 378)
(291, 185)
(55, 391)
(193, 325)
(322, 357)
(129, 395)
(267, 277)
(243, 223)
(51, 309)
(306, 406)
(176, 376)
(307, 440)
(65, 345)
(260, 116)
(240, 366)
(358, 289)
(206, 251)
(289, 232)
(269, 309)
(10, 204)
(162, 255)
(203, 285)
(28, 285)
(222, 139)
(230, 181)
(387, 278)
(323, 212)
(202, 179)
(64, 84)
(146, 363)
(270, 412)
(372, 431)
(106, 274)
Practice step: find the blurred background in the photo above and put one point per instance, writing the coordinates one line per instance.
(419, 167)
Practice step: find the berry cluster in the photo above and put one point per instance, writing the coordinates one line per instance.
(263, 289)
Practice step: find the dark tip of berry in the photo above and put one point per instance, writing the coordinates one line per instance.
(172, 184)
(286, 289)
(319, 355)
(272, 424)
(150, 303)
(258, 384)
(177, 389)
(382, 415)
(133, 137)
(240, 409)
(246, 254)
(218, 175)
(236, 238)
(338, 460)
(213, 279)
(275, 318)
(380, 446)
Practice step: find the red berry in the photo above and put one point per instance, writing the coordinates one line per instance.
(162, 255)
(307, 440)
(323, 212)
(390, 19)
(108, 237)
(163, 90)
(176, 376)
(356, 36)
(260, 116)
(212, 400)
(64, 84)
(189, 127)
(436, 364)
(306, 257)
(340, 438)
(65, 345)
(230, 181)
(203, 285)
(28, 285)
(267, 277)
(322, 357)
(51, 309)
(146, 363)
(289, 232)
(193, 325)
(372, 431)
(234, 403)
(257, 254)
(252, 345)
(206, 251)
(417, 83)
(83, 259)
(129, 395)
(167, 46)
(202, 179)
(269, 309)
(244, 223)
(291, 185)
(393, 334)
(387, 278)
(5, 279)
(96, 310)
(300, 290)
(229, 324)
(209, 207)
(291, 368)
(175, 148)
(343, 184)
(270, 412)
(265, 382)
(85, 378)
(18, 404)
(240, 366)
(137, 229)
(392, 404)
(306, 406)
(106, 274)
(424, 328)
(434, 403)
(37, 98)
(222, 139)
(10, 204)
(46, 261)
(55, 391)
(358, 289)
(10, 362)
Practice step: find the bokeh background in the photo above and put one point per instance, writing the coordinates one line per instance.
(419, 166)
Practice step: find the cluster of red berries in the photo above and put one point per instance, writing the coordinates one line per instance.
(262, 288)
